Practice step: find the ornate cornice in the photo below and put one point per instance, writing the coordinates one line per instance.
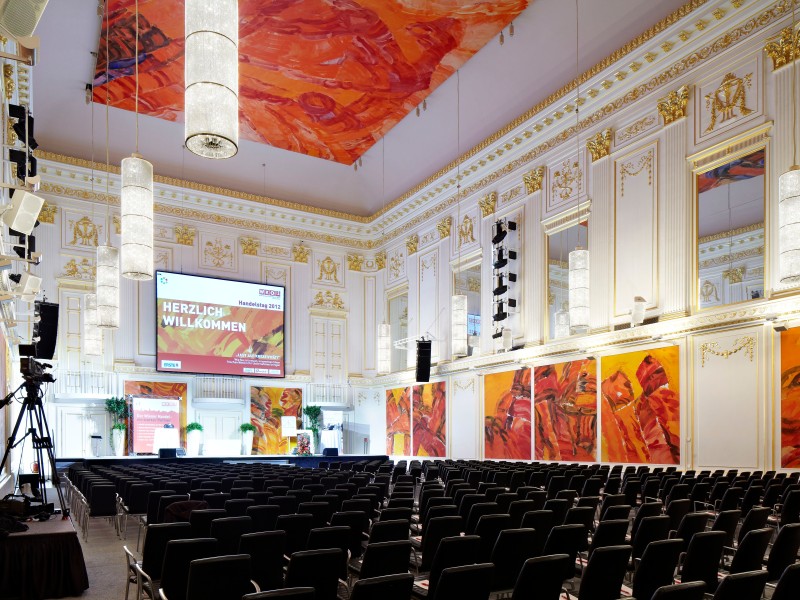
(673, 106)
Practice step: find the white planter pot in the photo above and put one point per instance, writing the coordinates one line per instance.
(193, 440)
(118, 442)
(247, 443)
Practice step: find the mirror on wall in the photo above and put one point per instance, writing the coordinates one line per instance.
(398, 320)
(559, 245)
(467, 281)
(730, 231)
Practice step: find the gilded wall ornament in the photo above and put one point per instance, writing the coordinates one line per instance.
(8, 80)
(474, 284)
(673, 106)
(632, 169)
(412, 243)
(396, 265)
(708, 291)
(784, 48)
(748, 344)
(599, 146)
(443, 227)
(355, 262)
(380, 260)
(83, 269)
(84, 232)
(300, 253)
(533, 180)
(218, 253)
(734, 275)
(567, 180)
(328, 299)
(184, 235)
(730, 97)
(487, 204)
(11, 135)
(250, 246)
(328, 270)
(48, 213)
(636, 128)
(466, 235)
(509, 195)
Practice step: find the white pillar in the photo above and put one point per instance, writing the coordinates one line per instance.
(675, 278)
(601, 244)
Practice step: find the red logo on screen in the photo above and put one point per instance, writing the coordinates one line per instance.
(265, 292)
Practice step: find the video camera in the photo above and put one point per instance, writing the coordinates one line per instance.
(35, 371)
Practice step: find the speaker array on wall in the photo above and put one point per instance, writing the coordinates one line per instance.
(423, 372)
(504, 274)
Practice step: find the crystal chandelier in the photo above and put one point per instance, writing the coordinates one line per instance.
(212, 78)
(92, 335)
(136, 206)
(458, 313)
(562, 322)
(579, 289)
(107, 287)
(384, 348)
(789, 198)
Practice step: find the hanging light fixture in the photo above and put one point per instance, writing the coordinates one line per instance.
(384, 329)
(212, 78)
(92, 335)
(107, 286)
(458, 302)
(561, 329)
(578, 258)
(136, 201)
(789, 196)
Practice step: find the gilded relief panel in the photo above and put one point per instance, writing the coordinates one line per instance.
(328, 269)
(633, 130)
(567, 182)
(465, 235)
(396, 265)
(162, 258)
(81, 268)
(217, 252)
(82, 232)
(730, 97)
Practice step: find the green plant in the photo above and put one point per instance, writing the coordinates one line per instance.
(118, 408)
(118, 426)
(245, 427)
(313, 413)
(194, 426)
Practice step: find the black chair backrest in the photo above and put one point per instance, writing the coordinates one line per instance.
(178, 556)
(386, 587)
(609, 533)
(750, 553)
(651, 529)
(315, 568)
(476, 512)
(467, 582)
(694, 590)
(512, 548)
(322, 538)
(747, 585)
(517, 510)
(657, 567)
(789, 584)
(219, 578)
(264, 516)
(488, 529)
(358, 523)
(452, 552)
(727, 521)
(266, 549)
(228, 530)
(542, 577)
(691, 524)
(702, 558)
(155, 542)
(389, 531)
(565, 539)
(755, 518)
(297, 528)
(604, 573)
(153, 498)
(385, 558)
(784, 550)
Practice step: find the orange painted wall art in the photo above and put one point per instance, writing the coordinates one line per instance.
(507, 410)
(323, 78)
(429, 419)
(641, 407)
(790, 398)
(565, 411)
(267, 406)
(398, 421)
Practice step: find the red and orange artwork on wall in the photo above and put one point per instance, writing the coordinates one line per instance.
(565, 411)
(507, 421)
(398, 421)
(641, 407)
(267, 406)
(790, 398)
(326, 79)
(429, 420)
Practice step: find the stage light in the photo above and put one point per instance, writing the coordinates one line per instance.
(500, 230)
(501, 287)
(502, 256)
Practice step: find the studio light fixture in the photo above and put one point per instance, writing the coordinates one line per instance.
(136, 202)
(501, 282)
(789, 196)
(501, 228)
(502, 256)
(637, 310)
(92, 335)
(212, 78)
(22, 214)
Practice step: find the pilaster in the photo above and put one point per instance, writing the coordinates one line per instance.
(601, 240)
(676, 275)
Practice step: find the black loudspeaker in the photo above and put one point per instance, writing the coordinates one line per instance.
(330, 452)
(47, 330)
(167, 453)
(423, 373)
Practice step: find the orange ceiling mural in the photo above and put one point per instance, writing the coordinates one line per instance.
(327, 78)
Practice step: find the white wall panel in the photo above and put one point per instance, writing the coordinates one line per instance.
(464, 417)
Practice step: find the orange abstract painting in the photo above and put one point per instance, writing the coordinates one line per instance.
(429, 436)
(398, 421)
(319, 77)
(158, 389)
(565, 411)
(641, 407)
(267, 406)
(507, 424)
(790, 398)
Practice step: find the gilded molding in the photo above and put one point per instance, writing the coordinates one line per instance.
(632, 170)
(250, 246)
(11, 135)
(748, 344)
(218, 253)
(355, 262)
(567, 180)
(673, 106)
(443, 227)
(783, 49)
(184, 235)
(466, 233)
(731, 95)
(599, 146)
(8, 80)
(48, 213)
(487, 204)
(533, 180)
(730, 233)
(83, 269)
(634, 129)
(734, 275)
(117, 220)
(380, 260)
(329, 300)
(412, 243)
(300, 253)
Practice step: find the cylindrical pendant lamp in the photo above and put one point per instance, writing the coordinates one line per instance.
(561, 325)
(458, 327)
(384, 348)
(579, 289)
(136, 206)
(92, 335)
(107, 287)
(789, 225)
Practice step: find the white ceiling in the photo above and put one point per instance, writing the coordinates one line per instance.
(497, 85)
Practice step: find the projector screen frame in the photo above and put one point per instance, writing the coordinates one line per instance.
(224, 280)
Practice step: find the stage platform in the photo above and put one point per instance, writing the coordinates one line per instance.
(279, 459)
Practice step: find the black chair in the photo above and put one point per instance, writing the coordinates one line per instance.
(467, 582)
(149, 568)
(220, 578)
(512, 549)
(266, 550)
(358, 524)
(694, 590)
(541, 577)
(217, 499)
(438, 528)
(750, 554)
(747, 585)
(517, 510)
(382, 558)
(488, 529)
(677, 510)
(321, 538)
(702, 558)
(756, 518)
(651, 529)
(784, 550)
(315, 568)
(604, 573)
(452, 552)
(565, 539)
(386, 587)
(237, 507)
(286, 504)
(200, 520)
(788, 587)
(559, 506)
(263, 516)
(608, 533)
(388, 531)
(228, 530)
(727, 521)
(690, 524)
(542, 521)
(656, 567)
(297, 528)
(177, 560)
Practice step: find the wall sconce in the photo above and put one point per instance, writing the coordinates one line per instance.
(637, 311)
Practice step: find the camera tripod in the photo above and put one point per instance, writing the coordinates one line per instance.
(33, 412)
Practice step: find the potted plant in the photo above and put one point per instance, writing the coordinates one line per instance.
(118, 409)
(248, 430)
(194, 437)
(313, 414)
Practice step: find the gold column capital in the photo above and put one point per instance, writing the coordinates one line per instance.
(443, 227)
(487, 204)
(300, 253)
(784, 49)
(673, 106)
(533, 180)
(599, 146)
(355, 262)
(412, 243)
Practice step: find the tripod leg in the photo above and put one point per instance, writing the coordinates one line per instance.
(47, 443)
(11, 443)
